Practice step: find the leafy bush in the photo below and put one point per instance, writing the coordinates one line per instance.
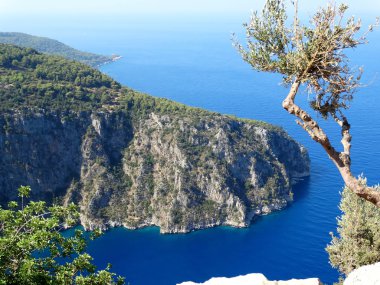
(358, 242)
(33, 250)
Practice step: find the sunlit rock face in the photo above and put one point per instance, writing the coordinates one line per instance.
(365, 275)
(254, 279)
(178, 172)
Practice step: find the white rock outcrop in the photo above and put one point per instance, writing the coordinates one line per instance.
(365, 275)
(254, 279)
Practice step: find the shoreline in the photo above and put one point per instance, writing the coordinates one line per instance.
(113, 58)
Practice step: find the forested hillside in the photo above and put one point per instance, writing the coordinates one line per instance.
(53, 47)
(75, 135)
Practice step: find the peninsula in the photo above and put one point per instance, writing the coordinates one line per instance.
(54, 47)
(129, 159)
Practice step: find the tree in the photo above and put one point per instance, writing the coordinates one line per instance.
(358, 242)
(313, 57)
(33, 250)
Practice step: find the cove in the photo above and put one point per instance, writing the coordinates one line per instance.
(191, 60)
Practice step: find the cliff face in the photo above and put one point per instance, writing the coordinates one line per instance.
(75, 135)
(178, 172)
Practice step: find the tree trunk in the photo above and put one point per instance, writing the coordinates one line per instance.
(342, 160)
(359, 188)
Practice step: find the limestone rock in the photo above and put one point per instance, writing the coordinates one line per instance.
(365, 275)
(180, 172)
(254, 279)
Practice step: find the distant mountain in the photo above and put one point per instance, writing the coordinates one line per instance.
(54, 47)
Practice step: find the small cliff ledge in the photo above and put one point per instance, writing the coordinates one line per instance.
(254, 279)
(128, 159)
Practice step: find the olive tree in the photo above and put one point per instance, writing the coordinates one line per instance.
(312, 56)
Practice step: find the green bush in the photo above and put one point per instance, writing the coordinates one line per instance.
(358, 240)
(33, 250)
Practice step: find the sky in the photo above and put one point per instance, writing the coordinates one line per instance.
(59, 19)
(159, 7)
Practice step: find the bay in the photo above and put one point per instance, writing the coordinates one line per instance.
(191, 60)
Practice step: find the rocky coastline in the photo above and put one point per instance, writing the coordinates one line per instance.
(129, 159)
(178, 172)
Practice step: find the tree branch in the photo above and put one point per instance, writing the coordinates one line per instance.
(342, 160)
(346, 138)
(368, 193)
(310, 125)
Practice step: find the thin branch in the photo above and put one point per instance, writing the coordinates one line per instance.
(309, 124)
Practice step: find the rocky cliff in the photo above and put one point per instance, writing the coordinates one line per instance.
(133, 160)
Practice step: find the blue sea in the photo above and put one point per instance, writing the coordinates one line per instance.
(190, 59)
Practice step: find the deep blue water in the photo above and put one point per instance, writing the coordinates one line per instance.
(191, 60)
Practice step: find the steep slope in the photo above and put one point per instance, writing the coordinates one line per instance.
(129, 159)
(53, 47)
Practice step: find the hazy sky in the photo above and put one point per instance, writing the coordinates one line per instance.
(159, 7)
(54, 18)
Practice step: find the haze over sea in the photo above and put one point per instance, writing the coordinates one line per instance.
(188, 57)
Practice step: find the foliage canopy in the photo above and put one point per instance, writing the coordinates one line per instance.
(312, 54)
(33, 249)
(29, 79)
(358, 240)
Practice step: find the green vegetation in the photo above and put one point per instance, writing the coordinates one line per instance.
(358, 240)
(207, 208)
(140, 151)
(29, 79)
(257, 123)
(32, 80)
(53, 47)
(33, 250)
(144, 105)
